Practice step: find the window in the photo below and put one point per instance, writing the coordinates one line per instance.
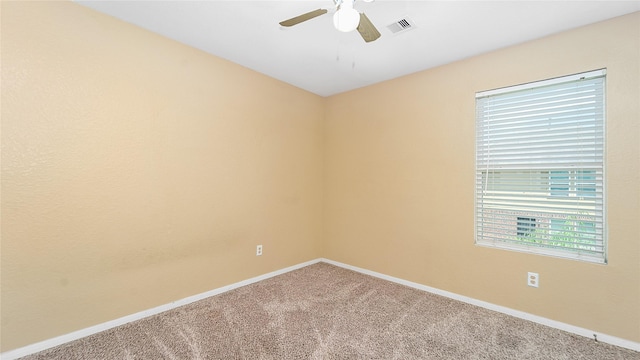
(526, 226)
(579, 183)
(540, 167)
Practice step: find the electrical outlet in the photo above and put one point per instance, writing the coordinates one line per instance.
(533, 279)
(258, 250)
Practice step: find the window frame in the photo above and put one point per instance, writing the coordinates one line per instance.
(576, 184)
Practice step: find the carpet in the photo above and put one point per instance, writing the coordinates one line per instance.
(326, 312)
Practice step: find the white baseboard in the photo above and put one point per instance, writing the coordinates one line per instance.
(47, 344)
(613, 340)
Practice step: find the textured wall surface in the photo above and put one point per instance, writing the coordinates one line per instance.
(137, 171)
(399, 196)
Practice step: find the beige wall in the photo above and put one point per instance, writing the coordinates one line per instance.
(399, 181)
(137, 171)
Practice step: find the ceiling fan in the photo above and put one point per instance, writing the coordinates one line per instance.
(345, 19)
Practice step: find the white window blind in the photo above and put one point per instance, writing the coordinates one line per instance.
(540, 167)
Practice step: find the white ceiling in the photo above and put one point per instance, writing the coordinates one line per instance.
(316, 57)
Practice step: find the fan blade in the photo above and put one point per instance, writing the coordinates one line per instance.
(367, 30)
(304, 17)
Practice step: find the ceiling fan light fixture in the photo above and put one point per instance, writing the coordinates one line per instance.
(346, 18)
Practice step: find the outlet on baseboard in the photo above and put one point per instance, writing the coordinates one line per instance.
(258, 250)
(533, 279)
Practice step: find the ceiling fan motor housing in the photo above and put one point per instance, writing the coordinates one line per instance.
(346, 18)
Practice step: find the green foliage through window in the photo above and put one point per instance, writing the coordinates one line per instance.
(569, 233)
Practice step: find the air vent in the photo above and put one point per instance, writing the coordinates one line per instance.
(402, 25)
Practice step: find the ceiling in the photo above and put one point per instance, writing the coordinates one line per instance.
(318, 58)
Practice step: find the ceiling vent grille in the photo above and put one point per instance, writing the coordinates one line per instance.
(403, 25)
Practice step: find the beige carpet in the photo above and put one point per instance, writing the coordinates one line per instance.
(326, 312)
